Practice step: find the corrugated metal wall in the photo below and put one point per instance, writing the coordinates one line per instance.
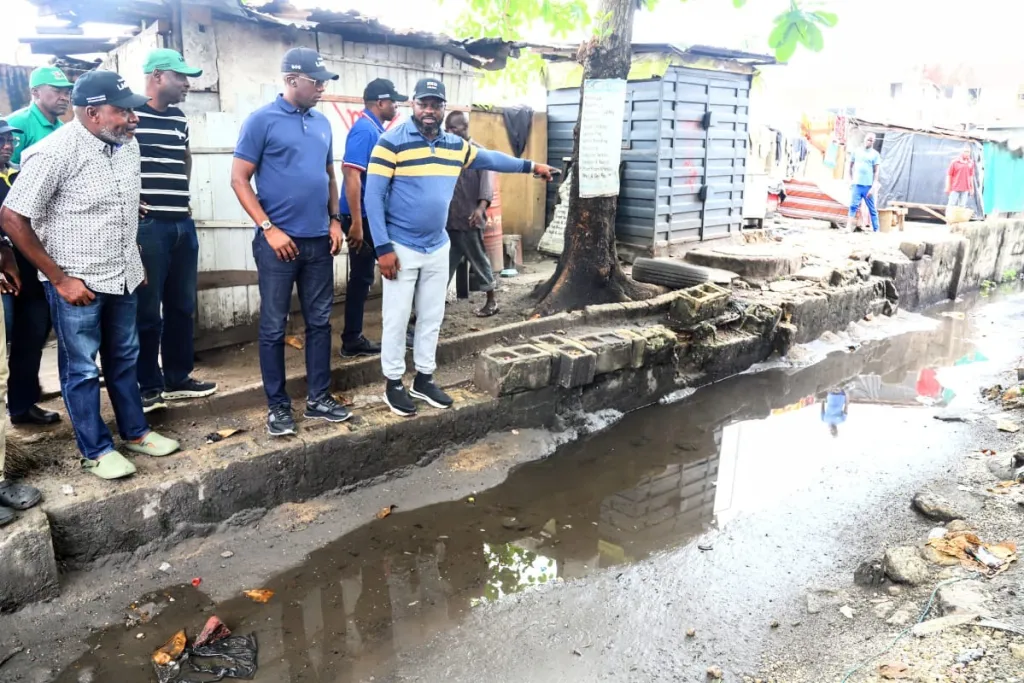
(684, 153)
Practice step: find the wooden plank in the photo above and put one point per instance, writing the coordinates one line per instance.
(215, 279)
(930, 209)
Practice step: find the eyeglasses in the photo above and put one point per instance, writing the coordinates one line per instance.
(316, 84)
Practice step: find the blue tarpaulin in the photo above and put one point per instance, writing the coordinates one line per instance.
(1004, 179)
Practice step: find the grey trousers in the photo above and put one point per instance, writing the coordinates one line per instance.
(469, 245)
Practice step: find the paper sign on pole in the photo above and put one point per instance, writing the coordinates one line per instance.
(604, 103)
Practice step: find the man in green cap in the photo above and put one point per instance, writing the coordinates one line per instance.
(51, 99)
(167, 237)
(30, 327)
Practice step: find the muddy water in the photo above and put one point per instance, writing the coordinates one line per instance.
(655, 481)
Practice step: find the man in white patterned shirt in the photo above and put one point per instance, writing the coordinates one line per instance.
(74, 214)
(167, 237)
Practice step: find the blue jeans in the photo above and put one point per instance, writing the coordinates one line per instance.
(361, 272)
(170, 253)
(313, 274)
(106, 326)
(860, 192)
(28, 327)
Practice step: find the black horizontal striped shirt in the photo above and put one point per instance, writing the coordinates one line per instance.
(163, 139)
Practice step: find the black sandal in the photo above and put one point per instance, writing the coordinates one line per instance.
(18, 496)
(6, 516)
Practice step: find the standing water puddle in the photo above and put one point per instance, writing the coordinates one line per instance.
(654, 481)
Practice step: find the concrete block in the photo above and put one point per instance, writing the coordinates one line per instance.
(28, 572)
(639, 346)
(572, 363)
(514, 369)
(914, 251)
(614, 351)
(659, 344)
(694, 305)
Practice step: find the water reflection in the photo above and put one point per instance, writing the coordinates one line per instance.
(662, 475)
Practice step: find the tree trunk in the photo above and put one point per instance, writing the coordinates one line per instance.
(588, 271)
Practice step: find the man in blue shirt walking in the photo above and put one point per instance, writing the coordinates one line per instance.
(287, 145)
(381, 101)
(409, 185)
(865, 165)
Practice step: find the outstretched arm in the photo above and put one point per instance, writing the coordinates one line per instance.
(482, 159)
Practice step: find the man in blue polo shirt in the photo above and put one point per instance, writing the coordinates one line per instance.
(381, 101)
(409, 185)
(287, 145)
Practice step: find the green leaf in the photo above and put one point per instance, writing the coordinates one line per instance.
(829, 19)
(815, 41)
(778, 34)
(784, 52)
(738, 3)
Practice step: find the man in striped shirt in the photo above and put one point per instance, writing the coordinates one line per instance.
(167, 237)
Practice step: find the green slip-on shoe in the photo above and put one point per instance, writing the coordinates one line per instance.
(153, 444)
(110, 465)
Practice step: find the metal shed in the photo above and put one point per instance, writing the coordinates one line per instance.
(684, 143)
(240, 49)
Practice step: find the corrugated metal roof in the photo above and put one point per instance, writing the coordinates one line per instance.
(486, 53)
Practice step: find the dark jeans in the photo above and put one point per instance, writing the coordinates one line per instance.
(170, 253)
(360, 278)
(28, 327)
(107, 326)
(469, 245)
(313, 274)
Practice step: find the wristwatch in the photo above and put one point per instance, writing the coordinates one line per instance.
(266, 225)
(336, 217)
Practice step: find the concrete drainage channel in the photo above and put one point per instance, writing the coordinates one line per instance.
(625, 356)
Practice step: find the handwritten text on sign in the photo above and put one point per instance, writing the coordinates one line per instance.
(604, 102)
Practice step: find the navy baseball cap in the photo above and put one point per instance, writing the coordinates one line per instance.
(429, 87)
(6, 128)
(95, 88)
(308, 62)
(382, 89)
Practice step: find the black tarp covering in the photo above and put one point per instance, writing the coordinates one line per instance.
(914, 167)
(518, 121)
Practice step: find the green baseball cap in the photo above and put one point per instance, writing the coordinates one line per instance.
(169, 60)
(48, 75)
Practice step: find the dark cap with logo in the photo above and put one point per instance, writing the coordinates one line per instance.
(95, 88)
(308, 62)
(429, 87)
(382, 89)
(6, 128)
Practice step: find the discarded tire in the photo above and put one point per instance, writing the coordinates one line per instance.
(669, 273)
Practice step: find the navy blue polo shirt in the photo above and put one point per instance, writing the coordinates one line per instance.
(291, 150)
(358, 148)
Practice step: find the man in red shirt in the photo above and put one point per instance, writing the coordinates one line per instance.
(960, 179)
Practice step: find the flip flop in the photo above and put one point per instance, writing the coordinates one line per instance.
(18, 496)
(153, 444)
(110, 465)
(7, 516)
(482, 314)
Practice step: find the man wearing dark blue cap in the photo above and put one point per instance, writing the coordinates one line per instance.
(74, 215)
(409, 186)
(381, 101)
(288, 146)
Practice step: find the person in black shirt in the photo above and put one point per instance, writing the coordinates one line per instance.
(26, 316)
(167, 238)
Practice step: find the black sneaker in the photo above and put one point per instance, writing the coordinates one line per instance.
(152, 400)
(423, 388)
(190, 388)
(360, 347)
(398, 399)
(326, 408)
(280, 421)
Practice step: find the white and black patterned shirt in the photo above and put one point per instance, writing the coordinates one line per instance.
(163, 141)
(82, 196)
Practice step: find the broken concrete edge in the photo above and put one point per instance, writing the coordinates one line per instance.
(141, 519)
(28, 572)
